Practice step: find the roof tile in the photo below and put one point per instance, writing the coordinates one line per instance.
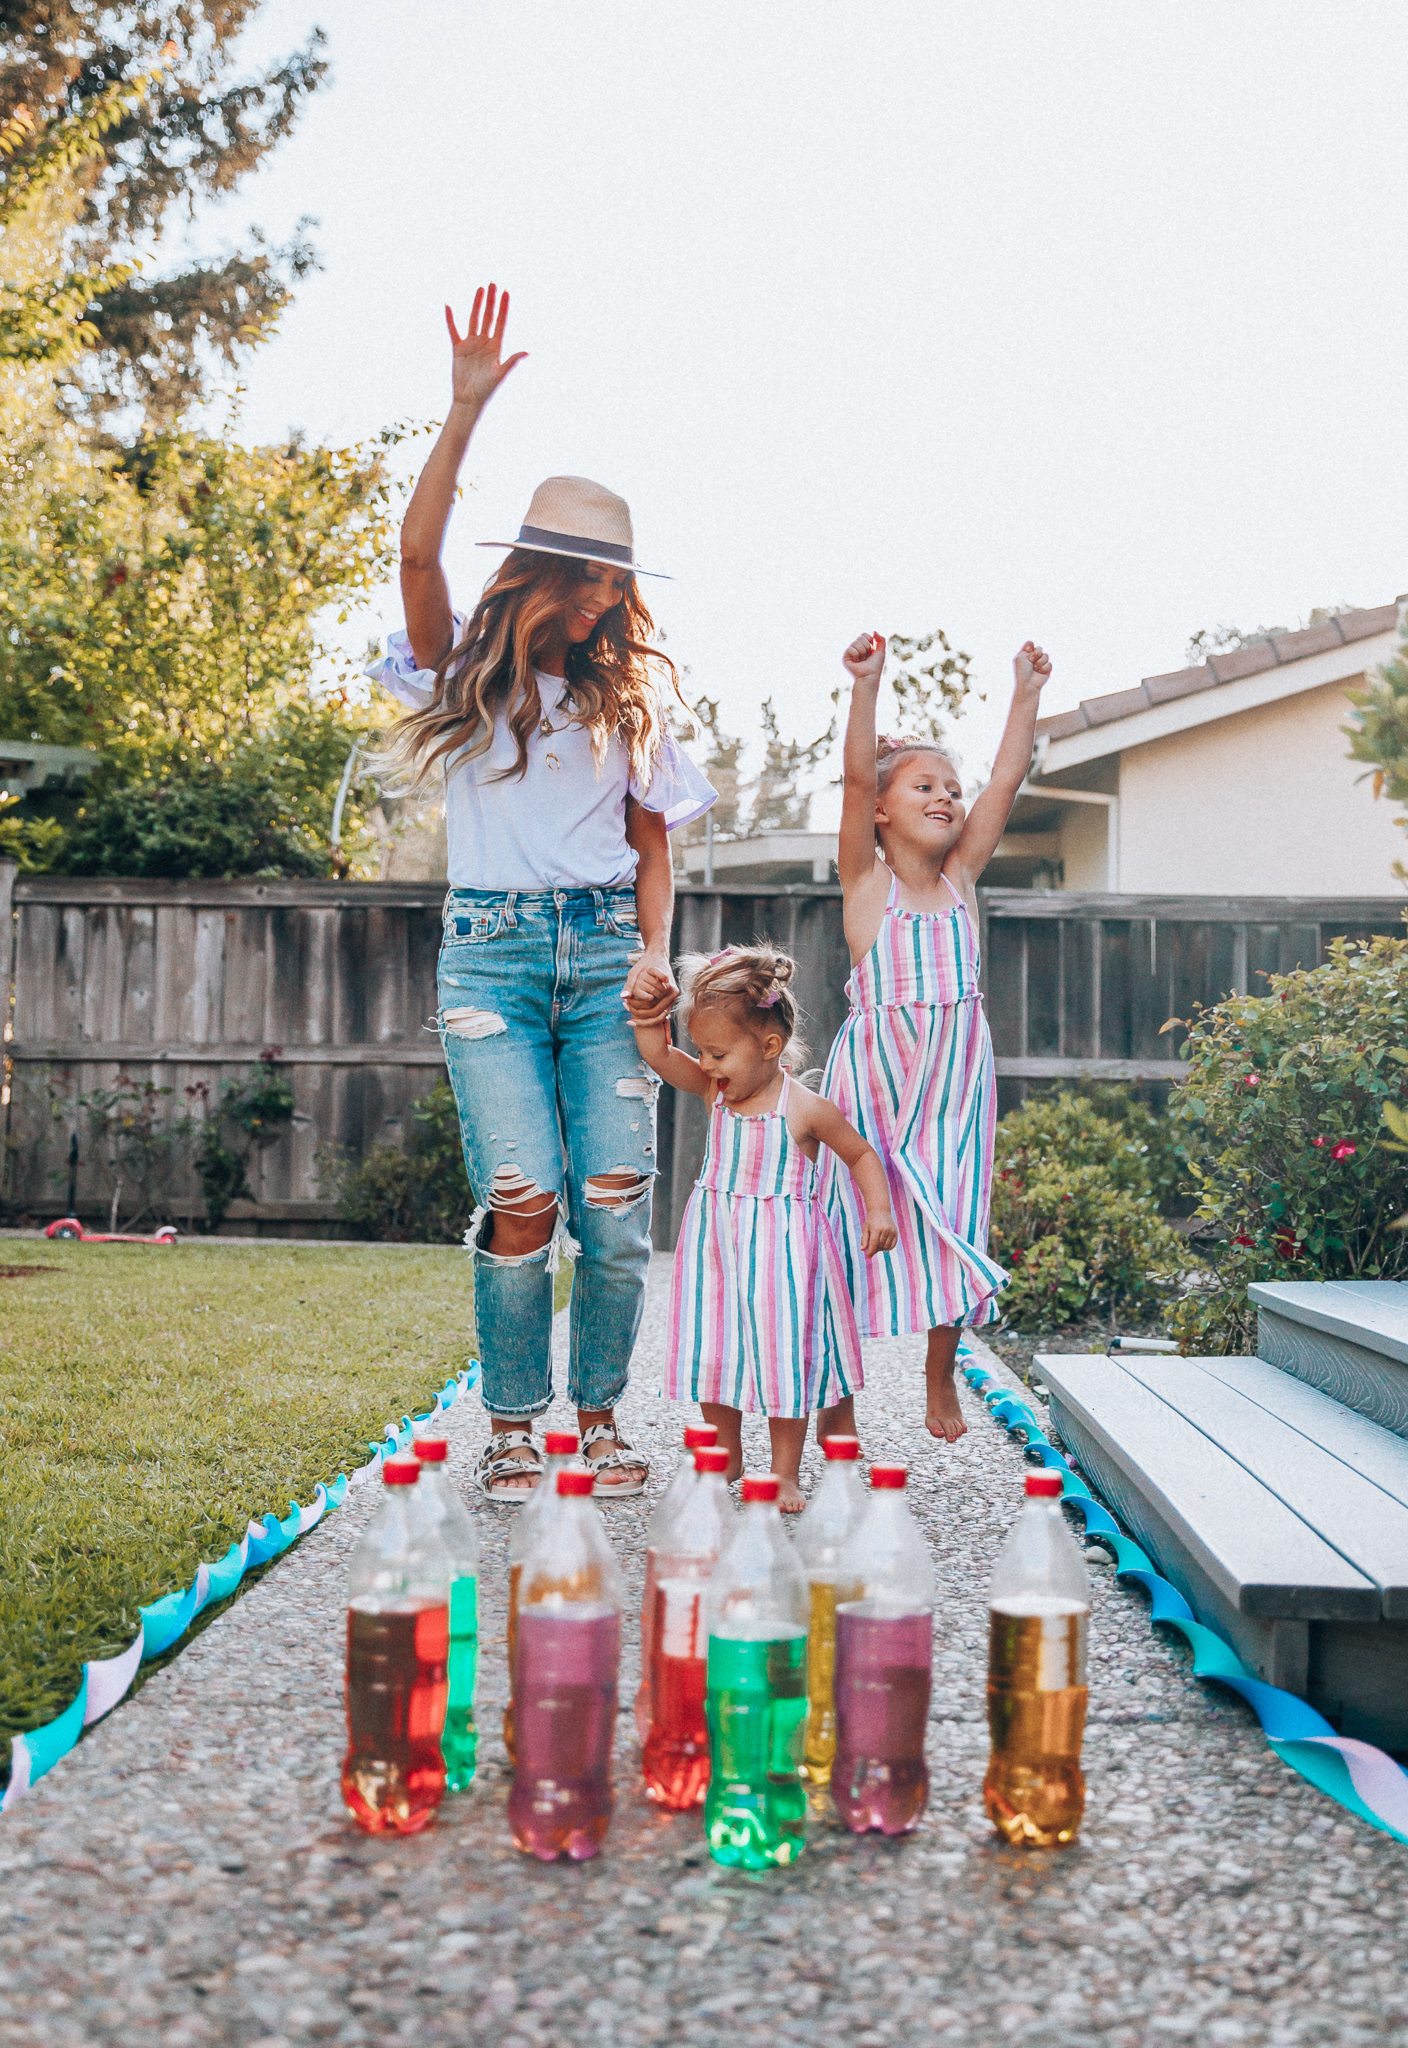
(1242, 661)
(1312, 640)
(1179, 682)
(1060, 725)
(1359, 625)
(1119, 704)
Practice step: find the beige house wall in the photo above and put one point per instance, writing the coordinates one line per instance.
(1266, 803)
(1085, 859)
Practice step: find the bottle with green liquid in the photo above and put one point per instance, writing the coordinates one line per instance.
(437, 1499)
(755, 1810)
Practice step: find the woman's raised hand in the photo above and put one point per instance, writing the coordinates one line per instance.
(476, 372)
(865, 658)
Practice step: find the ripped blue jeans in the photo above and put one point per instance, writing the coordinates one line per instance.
(551, 1094)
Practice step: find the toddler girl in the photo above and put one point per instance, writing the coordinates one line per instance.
(912, 1064)
(760, 1317)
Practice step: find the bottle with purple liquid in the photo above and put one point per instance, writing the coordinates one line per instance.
(565, 1679)
(884, 1648)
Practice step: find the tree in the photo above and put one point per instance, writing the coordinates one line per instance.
(195, 134)
(925, 695)
(781, 803)
(1378, 730)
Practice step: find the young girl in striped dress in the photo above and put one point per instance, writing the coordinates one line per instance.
(912, 1065)
(760, 1315)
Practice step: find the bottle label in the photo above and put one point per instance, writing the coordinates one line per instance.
(1038, 1652)
(681, 1624)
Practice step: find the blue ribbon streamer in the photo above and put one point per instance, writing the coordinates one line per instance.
(1364, 1780)
(107, 1680)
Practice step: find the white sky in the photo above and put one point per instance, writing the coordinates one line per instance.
(1059, 318)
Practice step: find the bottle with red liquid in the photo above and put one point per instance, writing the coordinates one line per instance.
(698, 1437)
(1039, 1615)
(884, 1648)
(437, 1496)
(565, 1680)
(398, 1643)
(675, 1758)
(560, 1447)
(822, 1532)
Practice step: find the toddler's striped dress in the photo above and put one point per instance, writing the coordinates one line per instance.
(912, 1070)
(760, 1318)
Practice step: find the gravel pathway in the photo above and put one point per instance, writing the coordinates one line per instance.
(188, 1875)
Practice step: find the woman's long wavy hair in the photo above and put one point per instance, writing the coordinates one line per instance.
(610, 688)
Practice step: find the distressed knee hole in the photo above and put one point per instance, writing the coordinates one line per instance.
(472, 1023)
(618, 1191)
(511, 1193)
(638, 1087)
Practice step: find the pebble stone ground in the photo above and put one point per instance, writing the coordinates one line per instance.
(188, 1876)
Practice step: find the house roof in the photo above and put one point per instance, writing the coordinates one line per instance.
(1275, 651)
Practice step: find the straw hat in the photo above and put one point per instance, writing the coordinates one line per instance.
(570, 515)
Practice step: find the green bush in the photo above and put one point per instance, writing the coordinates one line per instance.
(421, 1195)
(1295, 1167)
(1074, 1214)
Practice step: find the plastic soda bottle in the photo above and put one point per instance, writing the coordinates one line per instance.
(437, 1497)
(755, 1810)
(560, 1447)
(1040, 1613)
(675, 1759)
(569, 1653)
(398, 1641)
(698, 1437)
(825, 1524)
(884, 1650)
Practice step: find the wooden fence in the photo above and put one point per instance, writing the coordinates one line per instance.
(188, 984)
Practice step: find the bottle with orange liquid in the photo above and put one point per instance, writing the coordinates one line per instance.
(398, 1644)
(675, 1758)
(564, 1687)
(825, 1525)
(698, 1437)
(1039, 1608)
(560, 1447)
(884, 1653)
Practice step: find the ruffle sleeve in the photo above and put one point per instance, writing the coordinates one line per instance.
(397, 671)
(676, 787)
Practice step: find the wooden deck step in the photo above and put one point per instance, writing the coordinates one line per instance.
(1348, 1337)
(1295, 1550)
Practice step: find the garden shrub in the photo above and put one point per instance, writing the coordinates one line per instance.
(1295, 1167)
(419, 1195)
(1074, 1215)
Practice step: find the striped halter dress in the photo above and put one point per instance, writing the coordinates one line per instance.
(912, 1070)
(760, 1318)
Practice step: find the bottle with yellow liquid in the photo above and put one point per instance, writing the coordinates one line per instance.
(560, 1447)
(822, 1532)
(1039, 1607)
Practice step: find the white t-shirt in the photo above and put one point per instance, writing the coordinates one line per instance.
(562, 823)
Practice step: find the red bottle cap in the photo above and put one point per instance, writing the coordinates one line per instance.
(711, 1458)
(580, 1483)
(561, 1443)
(700, 1436)
(400, 1471)
(888, 1475)
(844, 1447)
(761, 1486)
(1043, 1486)
(433, 1449)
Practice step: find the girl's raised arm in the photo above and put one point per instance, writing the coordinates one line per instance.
(476, 374)
(987, 821)
(855, 855)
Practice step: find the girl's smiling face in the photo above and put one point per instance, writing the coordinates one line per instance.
(922, 803)
(598, 591)
(741, 1062)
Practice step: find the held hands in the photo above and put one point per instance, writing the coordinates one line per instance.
(865, 658)
(1031, 666)
(651, 990)
(878, 1234)
(475, 370)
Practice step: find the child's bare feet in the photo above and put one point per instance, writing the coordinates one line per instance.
(943, 1417)
(790, 1497)
(788, 1436)
(837, 1421)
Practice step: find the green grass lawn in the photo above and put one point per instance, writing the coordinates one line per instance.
(151, 1402)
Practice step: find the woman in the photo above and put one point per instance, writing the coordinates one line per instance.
(561, 783)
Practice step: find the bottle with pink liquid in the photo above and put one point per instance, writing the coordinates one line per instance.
(564, 1683)
(698, 1437)
(884, 1647)
(560, 1448)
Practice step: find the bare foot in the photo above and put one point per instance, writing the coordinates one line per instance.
(944, 1417)
(735, 1469)
(790, 1497)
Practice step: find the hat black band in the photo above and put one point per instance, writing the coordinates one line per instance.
(574, 544)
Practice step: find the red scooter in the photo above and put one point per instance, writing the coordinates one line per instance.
(70, 1227)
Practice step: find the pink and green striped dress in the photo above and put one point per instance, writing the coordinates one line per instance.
(912, 1070)
(760, 1318)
